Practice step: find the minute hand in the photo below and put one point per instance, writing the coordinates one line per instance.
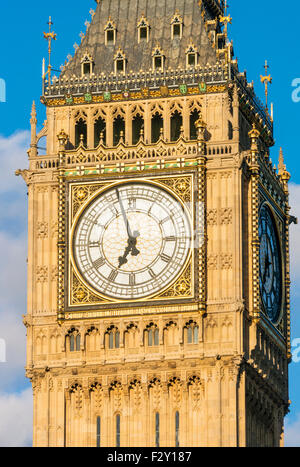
(124, 215)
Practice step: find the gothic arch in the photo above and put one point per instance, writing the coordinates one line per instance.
(92, 339)
(171, 333)
(131, 335)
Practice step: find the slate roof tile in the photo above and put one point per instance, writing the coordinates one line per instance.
(126, 14)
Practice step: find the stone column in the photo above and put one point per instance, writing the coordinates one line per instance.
(201, 237)
(254, 168)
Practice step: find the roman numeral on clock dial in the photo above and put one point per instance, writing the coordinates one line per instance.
(94, 244)
(170, 239)
(98, 263)
(132, 203)
(152, 274)
(166, 258)
(132, 280)
(113, 275)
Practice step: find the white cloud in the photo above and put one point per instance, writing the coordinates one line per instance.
(16, 419)
(13, 246)
(15, 408)
(12, 157)
(292, 433)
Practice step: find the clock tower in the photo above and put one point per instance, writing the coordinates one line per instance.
(158, 258)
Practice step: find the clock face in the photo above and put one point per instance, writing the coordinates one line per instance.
(270, 265)
(132, 241)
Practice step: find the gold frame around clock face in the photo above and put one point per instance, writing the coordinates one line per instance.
(178, 285)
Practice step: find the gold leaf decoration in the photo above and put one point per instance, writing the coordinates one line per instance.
(81, 193)
(183, 287)
(80, 294)
(182, 186)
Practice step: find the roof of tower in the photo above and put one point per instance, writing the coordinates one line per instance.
(125, 15)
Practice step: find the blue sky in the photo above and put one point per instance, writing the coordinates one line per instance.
(260, 31)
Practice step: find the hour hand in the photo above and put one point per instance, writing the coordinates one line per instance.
(131, 247)
(122, 260)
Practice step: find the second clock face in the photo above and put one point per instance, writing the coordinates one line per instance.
(270, 265)
(132, 241)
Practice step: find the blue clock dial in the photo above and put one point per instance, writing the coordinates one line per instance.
(270, 265)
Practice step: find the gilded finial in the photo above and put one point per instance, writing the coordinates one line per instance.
(282, 172)
(50, 36)
(226, 19)
(200, 127)
(62, 139)
(281, 166)
(266, 80)
(254, 133)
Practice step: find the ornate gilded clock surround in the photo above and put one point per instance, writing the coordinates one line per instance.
(78, 296)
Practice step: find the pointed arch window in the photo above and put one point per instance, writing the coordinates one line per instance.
(157, 126)
(177, 420)
(158, 59)
(113, 338)
(152, 335)
(99, 131)
(98, 432)
(77, 342)
(118, 130)
(143, 30)
(120, 62)
(157, 430)
(110, 32)
(191, 56)
(80, 131)
(87, 65)
(194, 116)
(176, 26)
(137, 128)
(192, 333)
(74, 340)
(118, 431)
(72, 343)
(176, 125)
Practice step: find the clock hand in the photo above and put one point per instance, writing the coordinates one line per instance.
(132, 237)
(131, 247)
(124, 214)
(266, 266)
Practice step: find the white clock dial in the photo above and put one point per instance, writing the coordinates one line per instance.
(132, 241)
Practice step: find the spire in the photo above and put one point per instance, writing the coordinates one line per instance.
(33, 113)
(266, 80)
(226, 19)
(281, 166)
(50, 36)
(282, 172)
(33, 123)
